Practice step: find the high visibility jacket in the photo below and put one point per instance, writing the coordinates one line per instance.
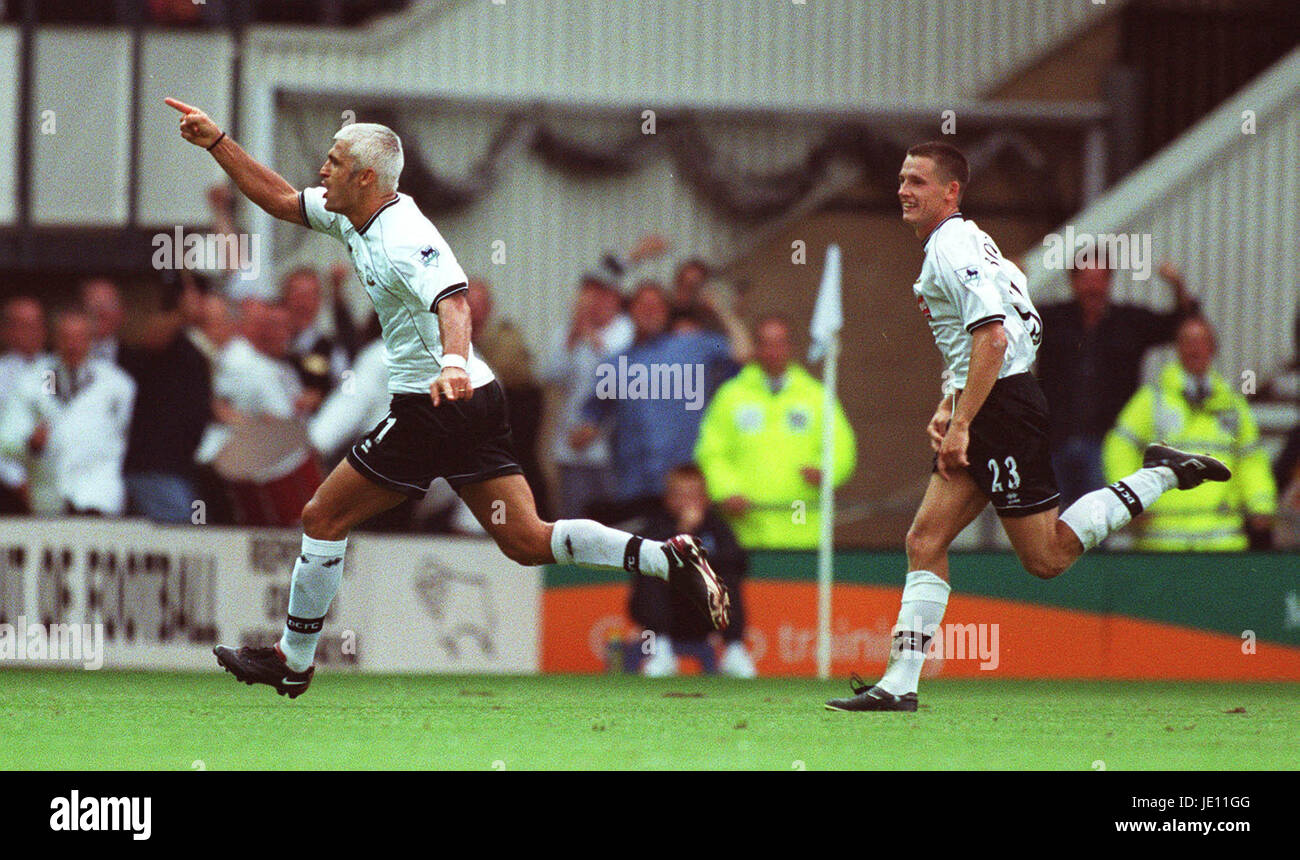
(1210, 517)
(753, 443)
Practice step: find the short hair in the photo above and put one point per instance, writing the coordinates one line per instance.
(174, 287)
(691, 315)
(594, 279)
(1200, 320)
(11, 303)
(376, 147)
(70, 313)
(1099, 261)
(98, 281)
(774, 317)
(695, 263)
(948, 159)
(650, 286)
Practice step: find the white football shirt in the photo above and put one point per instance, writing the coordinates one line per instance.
(406, 268)
(965, 283)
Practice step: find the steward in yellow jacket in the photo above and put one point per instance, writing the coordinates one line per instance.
(1199, 412)
(760, 447)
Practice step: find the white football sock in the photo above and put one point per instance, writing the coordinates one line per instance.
(587, 543)
(925, 597)
(316, 578)
(1099, 513)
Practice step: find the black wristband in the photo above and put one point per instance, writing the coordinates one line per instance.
(215, 142)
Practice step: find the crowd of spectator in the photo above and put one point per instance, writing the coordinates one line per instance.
(226, 408)
(1090, 366)
(222, 409)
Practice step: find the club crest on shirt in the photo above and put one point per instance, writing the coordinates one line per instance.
(749, 419)
(429, 255)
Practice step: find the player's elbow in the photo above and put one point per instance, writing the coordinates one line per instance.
(454, 305)
(993, 337)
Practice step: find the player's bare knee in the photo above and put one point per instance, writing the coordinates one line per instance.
(525, 554)
(513, 550)
(313, 516)
(1046, 567)
(924, 544)
(319, 522)
(528, 548)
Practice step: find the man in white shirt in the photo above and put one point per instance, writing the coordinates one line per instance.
(318, 357)
(22, 329)
(102, 301)
(990, 431)
(68, 419)
(448, 415)
(254, 379)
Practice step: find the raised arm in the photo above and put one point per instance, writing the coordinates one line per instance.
(742, 345)
(256, 181)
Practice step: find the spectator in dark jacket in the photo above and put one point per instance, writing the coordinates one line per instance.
(172, 408)
(678, 626)
(1089, 366)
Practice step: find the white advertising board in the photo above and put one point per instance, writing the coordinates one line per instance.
(162, 596)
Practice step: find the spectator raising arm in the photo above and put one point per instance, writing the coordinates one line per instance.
(1183, 300)
(1155, 328)
(742, 345)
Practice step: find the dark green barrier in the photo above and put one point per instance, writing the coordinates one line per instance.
(1225, 592)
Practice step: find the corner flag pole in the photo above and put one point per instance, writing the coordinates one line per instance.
(827, 320)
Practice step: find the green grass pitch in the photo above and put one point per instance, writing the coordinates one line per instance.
(72, 720)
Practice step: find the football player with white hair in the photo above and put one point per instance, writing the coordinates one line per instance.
(448, 412)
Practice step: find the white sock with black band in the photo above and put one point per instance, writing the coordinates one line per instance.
(1099, 513)
(925, 597)
(587, 543)
(316, 578)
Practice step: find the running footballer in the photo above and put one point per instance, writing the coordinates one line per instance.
(989, 432)
(448, 412)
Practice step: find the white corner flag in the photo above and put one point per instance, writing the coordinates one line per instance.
(828, 313)
(827, 320)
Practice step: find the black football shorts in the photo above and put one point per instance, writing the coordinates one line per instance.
(464, 441)
(1009, 455)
